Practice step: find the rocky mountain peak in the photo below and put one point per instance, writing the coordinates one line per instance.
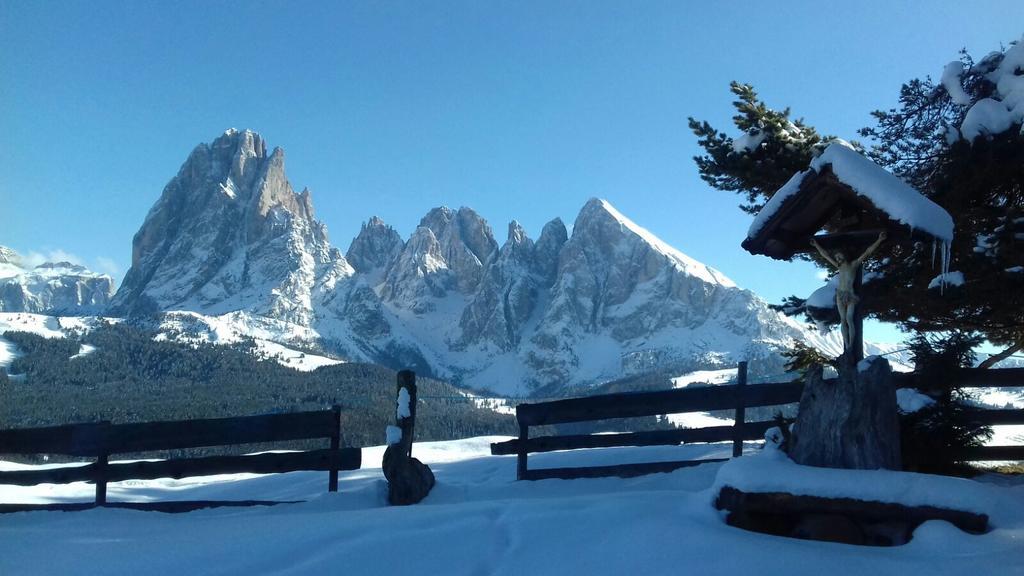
(516, 233)
(466, 243)
(476, 234)
(63, 265)
(419, 275)
(506, 296)
(438, 220)
(518, 247)
(595, 216)
(375, 247)
(241, 150)
(548, 248)
(51, 287)
(600, 226)
(9, 256)
(228, 232)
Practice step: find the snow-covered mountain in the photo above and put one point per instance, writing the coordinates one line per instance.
(229, 241)
(229, 233)
(610, 300)
(51, 287)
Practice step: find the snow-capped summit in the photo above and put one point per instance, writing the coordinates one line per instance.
(51, 287)
(626, 302)
(229, 233)
(420, 273)
(602, 218)
(9, 256)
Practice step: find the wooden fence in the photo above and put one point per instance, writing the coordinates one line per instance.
(737, 396)
(100, 440)
(980, 378)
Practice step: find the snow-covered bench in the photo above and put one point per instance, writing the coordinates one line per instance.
(772, 494)
(100, 440)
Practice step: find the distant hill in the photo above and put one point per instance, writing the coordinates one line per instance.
(118, 372)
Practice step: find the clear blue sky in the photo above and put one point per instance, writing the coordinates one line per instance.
(518, 109)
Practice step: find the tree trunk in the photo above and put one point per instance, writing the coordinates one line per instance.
(849, 422)
(997, 358)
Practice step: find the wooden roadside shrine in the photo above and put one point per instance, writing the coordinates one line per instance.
(854, 200)
(851, 421)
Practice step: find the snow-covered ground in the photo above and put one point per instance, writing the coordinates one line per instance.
(479, 520)
(724, 376)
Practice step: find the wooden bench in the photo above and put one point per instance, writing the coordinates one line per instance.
(100, 440)
(836, 519)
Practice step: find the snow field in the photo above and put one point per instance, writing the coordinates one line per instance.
(45, 326)
(478, 520)
(225, 329)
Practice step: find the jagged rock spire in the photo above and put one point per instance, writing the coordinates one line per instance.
(375, 247)
(229, 232)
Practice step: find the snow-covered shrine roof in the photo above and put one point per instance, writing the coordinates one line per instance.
(841, 179)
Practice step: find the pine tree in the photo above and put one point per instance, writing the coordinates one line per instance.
(934, 437)
(770, 150)
(980, 183)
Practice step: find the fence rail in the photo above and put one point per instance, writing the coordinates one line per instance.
(737, 396)
(95, 438)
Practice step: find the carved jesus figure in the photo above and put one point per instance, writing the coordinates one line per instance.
(846, 300)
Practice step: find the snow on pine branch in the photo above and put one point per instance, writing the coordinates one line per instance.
(1004, 108)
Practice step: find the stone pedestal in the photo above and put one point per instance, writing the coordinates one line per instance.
(848, 422)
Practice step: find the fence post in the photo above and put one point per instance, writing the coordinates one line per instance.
(741, 410)
(332, 482)
(102, 459)
(524, 435)
(407, 380)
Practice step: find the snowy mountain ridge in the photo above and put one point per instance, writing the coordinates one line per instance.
(51, 287)
(231, 248)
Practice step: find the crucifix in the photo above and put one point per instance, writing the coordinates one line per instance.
(846, 297)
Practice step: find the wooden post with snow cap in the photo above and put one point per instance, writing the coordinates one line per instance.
(409, 480)
(741, 409)
(405, 400)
